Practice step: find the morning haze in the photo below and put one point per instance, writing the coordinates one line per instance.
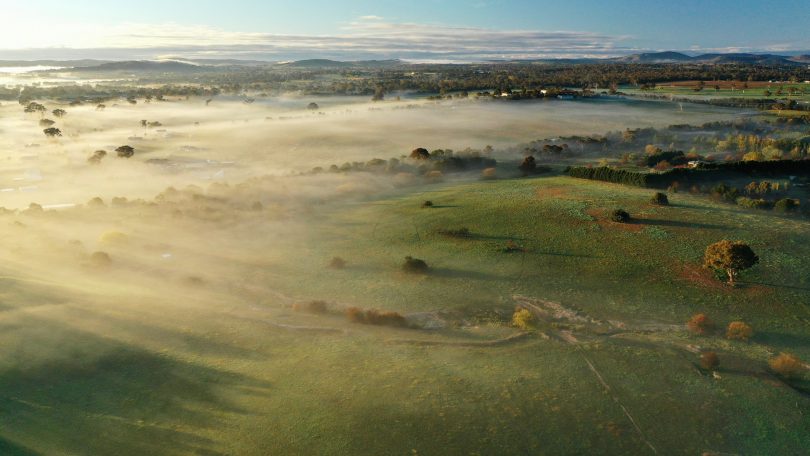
(348, 230)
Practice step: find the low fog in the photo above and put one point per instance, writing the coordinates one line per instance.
(228, 140)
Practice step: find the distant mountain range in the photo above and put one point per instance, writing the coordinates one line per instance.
(180, 65)
(740, 58)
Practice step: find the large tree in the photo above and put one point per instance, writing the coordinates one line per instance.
(731, 257)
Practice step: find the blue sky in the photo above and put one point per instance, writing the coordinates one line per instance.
(416, 29)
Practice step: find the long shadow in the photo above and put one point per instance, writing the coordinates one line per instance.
(676, 224)
(449, 273)
(92, 395)
(9, 448)
(774, 285)
(442, 206)
(572, 255)
(783, 339)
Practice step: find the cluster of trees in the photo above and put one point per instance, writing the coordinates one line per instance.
(420, 161)
(607, 174)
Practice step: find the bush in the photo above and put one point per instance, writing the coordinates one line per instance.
(660, 199)
(414, 265)
(337, 263)
(528, 165)
(620, 216)
(489, 173)
(709, 360)
(523, 319)
(427, 203)
(787, 365)
(700, 324)
(738, 330)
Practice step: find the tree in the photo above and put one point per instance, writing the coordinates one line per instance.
(379, 94)
(787, 365)
(35, 107)
(700, 324)
(125, 151)
(523, 319)
(52, 132)
(95, 159)
(59, 112)
(660, 199)
(46, 122)
(420, 153)
(528, 165)
(709, 360)
(313, 106)
(620, 216)
(414, 265)
(739, 330)
(731, 257)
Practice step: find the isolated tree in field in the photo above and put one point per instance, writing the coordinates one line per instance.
(59, 112)
(46, 122)
(620, 216)
(414, 265)
(312, 106)
(731, 257)
(787, 365)
(523, 319)
(709, 360)
(700, 324)
(52, 132)
(101, 107)
(739, 330)
(379, 94)
(125, 151)
(95, 159)
(660, 199)
(35, 107)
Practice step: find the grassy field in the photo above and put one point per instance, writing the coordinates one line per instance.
(204, 355)
(740, 89)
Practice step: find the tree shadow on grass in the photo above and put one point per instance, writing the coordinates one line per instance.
(92, 395)
(9, 448)
(782, 339)
(773, 285)
(676, 224)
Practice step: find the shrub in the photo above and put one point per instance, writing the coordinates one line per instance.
(414, 265)
(523, 319)
(659, 199)
(489, 173)
(700, 324)
(337, 263)
(787, 365)
(738, 330)
(620, 216)
(709, 360)
(97, 156)
(427, 203)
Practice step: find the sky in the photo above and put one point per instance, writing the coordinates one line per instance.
(426, 30)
